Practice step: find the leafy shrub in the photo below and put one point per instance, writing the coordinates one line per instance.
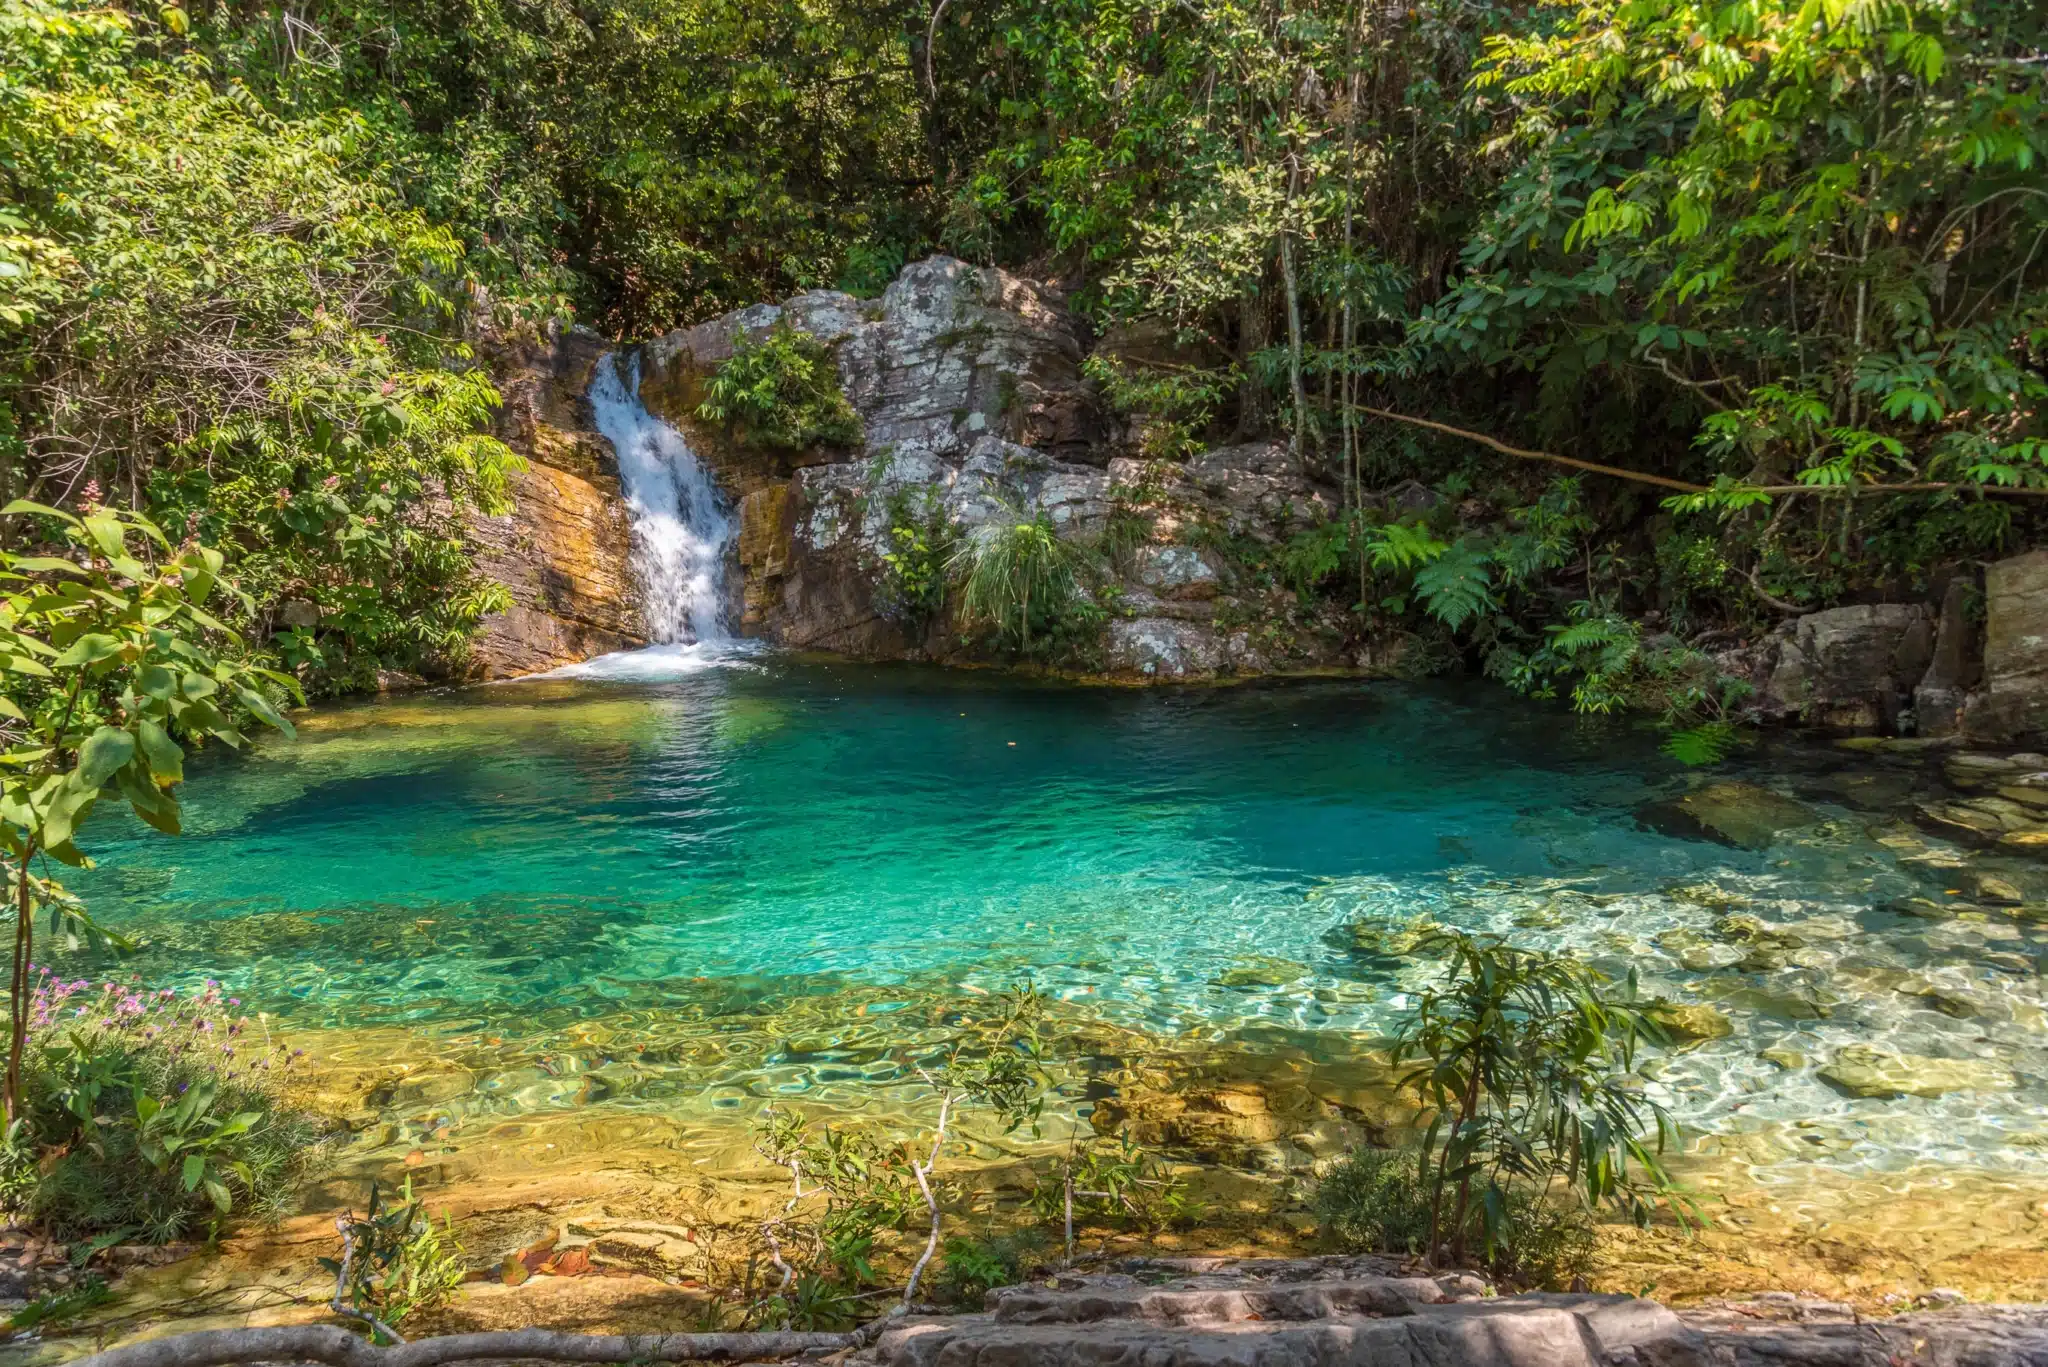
(1520, 1057)
(970, 1268)
(781, 392)
(1174, 404)
(396, 1263)
(1018, 578)
(1376, 1201)
(911, 585)
(147, 1115)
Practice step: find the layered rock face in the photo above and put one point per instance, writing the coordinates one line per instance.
(969, 387)
(564, 549)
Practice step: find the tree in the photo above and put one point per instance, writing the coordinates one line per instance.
(108, 670)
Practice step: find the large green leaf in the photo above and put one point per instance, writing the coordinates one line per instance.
(105, 751)
(88, 649)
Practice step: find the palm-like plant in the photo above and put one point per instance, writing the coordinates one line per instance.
(1015, 571)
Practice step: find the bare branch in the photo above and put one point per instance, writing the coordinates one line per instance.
(336, 1347)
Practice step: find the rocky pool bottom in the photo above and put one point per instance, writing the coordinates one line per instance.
(629, 1218)
(554, 948)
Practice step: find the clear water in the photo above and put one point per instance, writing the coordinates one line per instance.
(682, 525)
(683, 834)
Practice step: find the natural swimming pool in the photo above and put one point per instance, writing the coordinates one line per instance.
(719, 877)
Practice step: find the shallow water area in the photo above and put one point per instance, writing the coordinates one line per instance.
(694, 880)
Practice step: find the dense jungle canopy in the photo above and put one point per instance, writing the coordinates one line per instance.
(1785, 259)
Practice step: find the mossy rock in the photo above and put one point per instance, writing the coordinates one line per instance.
(1862, 1070)
(1695, 1023)
(1261, 971)
(1382, 939)
(1730, 813)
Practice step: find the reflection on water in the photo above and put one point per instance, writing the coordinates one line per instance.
(658, 851)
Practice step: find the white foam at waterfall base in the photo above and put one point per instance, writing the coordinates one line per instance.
(660, 664)
(682, 526)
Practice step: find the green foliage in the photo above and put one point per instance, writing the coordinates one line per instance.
(1376, 1201)
(1612, 666)
(1174, 405)
(911, 586)
(780, 392)
(148, 1116)
(222, 313)
(972, 1267)
(53, 1308)
(107, 672)
(395, 1261)
(1520, 1057)
(1457, 586)
(1118, 1185)
(1017, 577)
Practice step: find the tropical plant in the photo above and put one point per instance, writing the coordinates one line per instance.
(145, 1114)
(226, 316)
(780, 391)
(911, 584)
(108, 669)
(1017, 576)
(1521, 1056)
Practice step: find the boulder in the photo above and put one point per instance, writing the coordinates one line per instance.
(968, 384)
(1955, 667)
(2013, 705)
(1849, 669)
(1731, 813)
(1863, 1070)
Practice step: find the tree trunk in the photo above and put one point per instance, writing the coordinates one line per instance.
(1300, 428)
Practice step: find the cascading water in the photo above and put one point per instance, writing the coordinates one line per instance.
(682, 525)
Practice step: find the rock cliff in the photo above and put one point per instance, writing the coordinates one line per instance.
(974, 405)
(563, 551)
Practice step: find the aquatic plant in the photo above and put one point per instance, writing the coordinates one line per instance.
(1521, 1058)
(148, 1114)
(108, 669)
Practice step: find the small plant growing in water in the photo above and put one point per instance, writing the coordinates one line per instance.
(781, 392)
(1521, 1057)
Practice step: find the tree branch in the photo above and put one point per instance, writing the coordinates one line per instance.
(1684, 487)
(336, 1347)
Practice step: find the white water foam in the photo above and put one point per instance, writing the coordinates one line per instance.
(661, 663)
(682, 525)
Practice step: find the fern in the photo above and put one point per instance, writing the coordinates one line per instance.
(1404, 546)
(1458, 585)
(1707, 743)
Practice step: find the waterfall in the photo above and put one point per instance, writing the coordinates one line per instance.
(682, 525)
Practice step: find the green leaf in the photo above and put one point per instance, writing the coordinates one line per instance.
(22, 505)
(222, 1202)
(195, 1169)
(166, 756)
(88, 649)
(105, 530)
(106, 750)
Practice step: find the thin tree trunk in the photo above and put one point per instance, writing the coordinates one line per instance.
(17, 994)
(1293, 344)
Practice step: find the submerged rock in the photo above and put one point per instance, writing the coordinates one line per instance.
(1383, 939)
(1695, 1023)
(1730, 812)
(1864, 1070)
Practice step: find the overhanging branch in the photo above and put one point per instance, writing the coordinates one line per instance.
(1685, 487)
